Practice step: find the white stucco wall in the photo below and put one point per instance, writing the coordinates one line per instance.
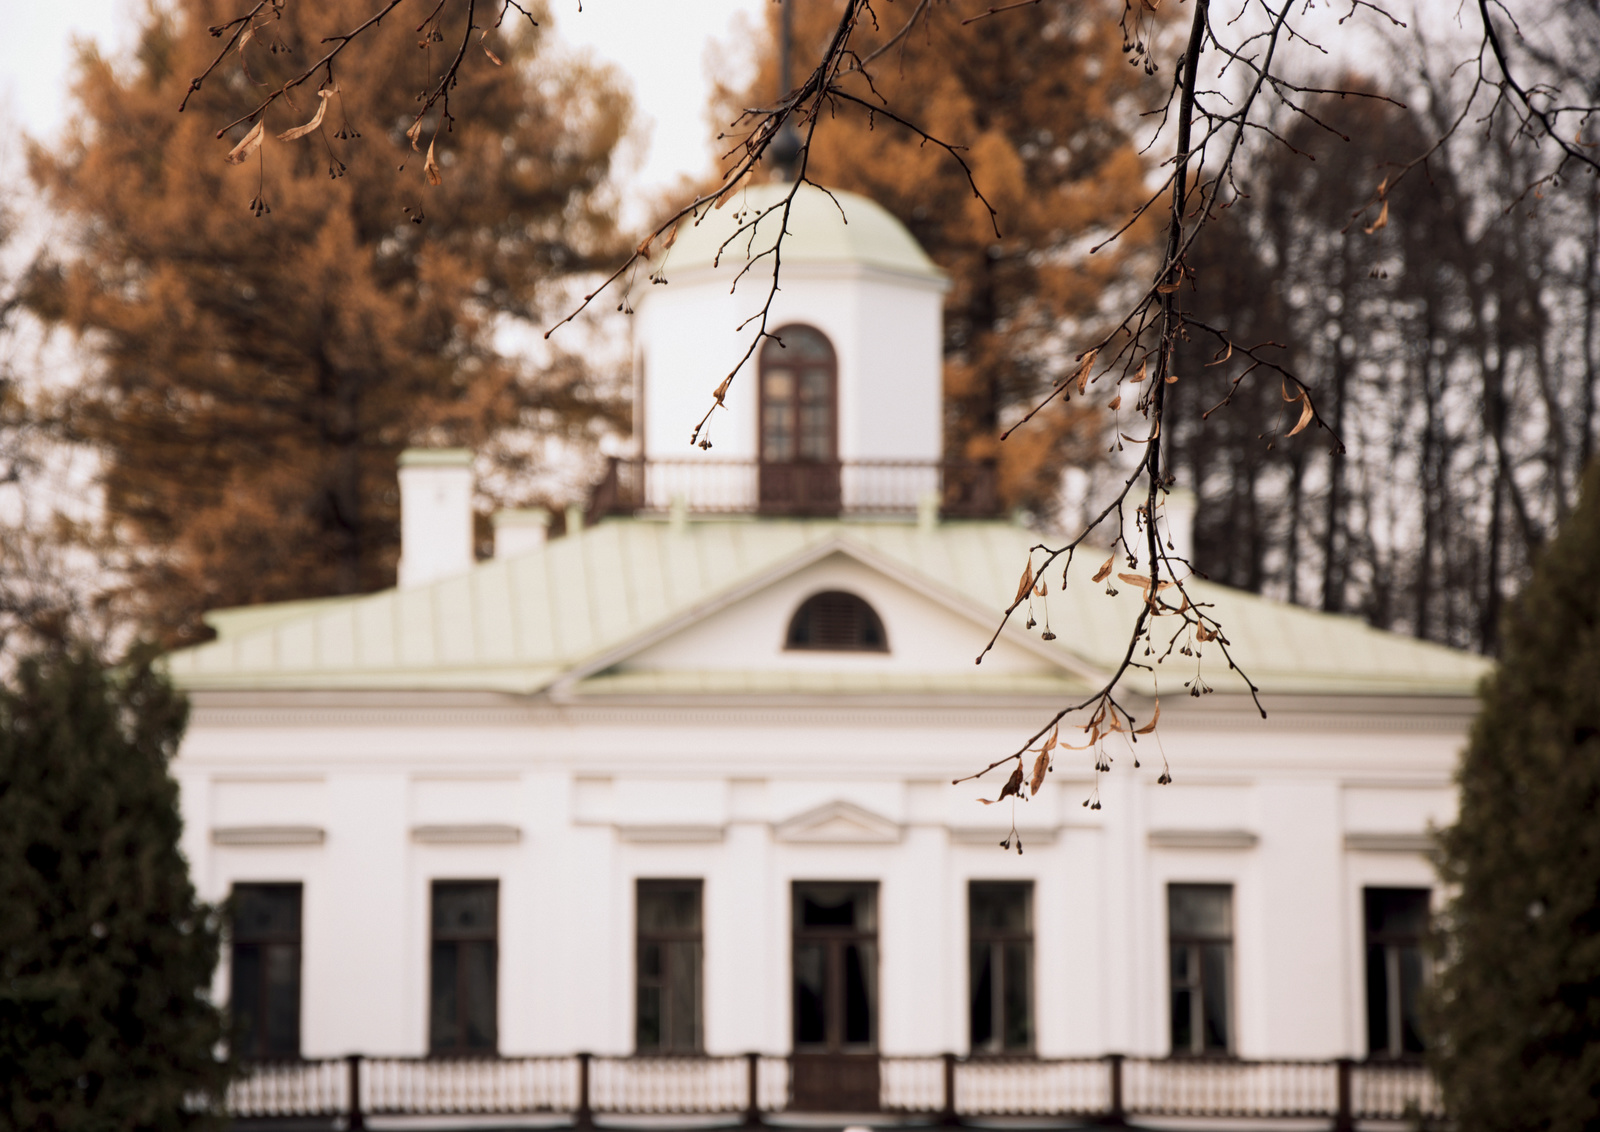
(603, 795)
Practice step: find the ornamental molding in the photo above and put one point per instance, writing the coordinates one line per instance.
(474, 833)
(1392, 842)
(670, 834)
(1005, 836)
(1203, 839)
(838, 823)
(897, 712)
(263, 836)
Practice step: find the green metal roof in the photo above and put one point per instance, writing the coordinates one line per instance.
(571, 610)
(833, 227)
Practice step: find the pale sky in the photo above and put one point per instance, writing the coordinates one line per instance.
(662, 48)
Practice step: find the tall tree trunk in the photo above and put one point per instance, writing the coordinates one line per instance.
(1333, 545)
(1489, 620)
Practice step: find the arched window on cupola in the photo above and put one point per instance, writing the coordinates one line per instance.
(799, 423)
(836, 621)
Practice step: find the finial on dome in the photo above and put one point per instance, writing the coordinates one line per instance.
(784, 150)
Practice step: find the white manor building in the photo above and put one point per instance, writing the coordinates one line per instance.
(680, 782)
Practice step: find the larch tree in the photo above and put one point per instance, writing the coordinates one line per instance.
(268, 332)
(1044, 110)
(1516, 1010)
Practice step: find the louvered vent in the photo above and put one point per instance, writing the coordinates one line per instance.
(835, 621)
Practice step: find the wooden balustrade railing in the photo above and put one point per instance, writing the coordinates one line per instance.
(1106, 1089)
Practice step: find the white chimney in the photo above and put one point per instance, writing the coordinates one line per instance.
(1178, 529)
(519, 531)
(435, 514)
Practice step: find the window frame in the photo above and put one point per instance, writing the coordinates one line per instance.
(998, 940)
(1392, 944)
(663, 982)
(1194, 982)
(870, 618)
(490, 936)
(770, 357)
(261, 943)
(835, 940)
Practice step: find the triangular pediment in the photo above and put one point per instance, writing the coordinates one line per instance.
(933, 634)
(838, 823)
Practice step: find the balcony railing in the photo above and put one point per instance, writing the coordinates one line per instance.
(1108, 1089)
(751, 487)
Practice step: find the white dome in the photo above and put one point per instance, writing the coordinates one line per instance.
(832, 227)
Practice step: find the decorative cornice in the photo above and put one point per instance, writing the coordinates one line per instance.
(1296, 714)
(1397, 842)
(268, 835)
(990, 835)
(481, 833)
(670, 834)
(1203, 839)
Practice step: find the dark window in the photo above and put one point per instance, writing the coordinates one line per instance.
(1000, 923)
(797, 397)
(835, 968)
(1200, 930)
(1397, 925)
(265, 970)
(836, 621)
(667, 1017)
(462, 1010)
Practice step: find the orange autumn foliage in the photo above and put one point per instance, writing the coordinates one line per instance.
(267, 335)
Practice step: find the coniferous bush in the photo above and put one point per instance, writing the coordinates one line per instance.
(106, 954)
(1516, 1009)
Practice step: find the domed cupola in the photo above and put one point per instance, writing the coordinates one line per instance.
(850, 386)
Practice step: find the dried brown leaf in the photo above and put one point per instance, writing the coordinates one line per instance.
(247, 145)
(493, 58)
(414, 132)
(1306, 413)
(1105, 568)
(1136, 580)
(1167, 288)
(1040, 766)
(1013, 784)
(431, 168)
(316, 119)
(1116, 403)
(1151, 726)
(1082, 376)
(1381, 222)
(1026, 584)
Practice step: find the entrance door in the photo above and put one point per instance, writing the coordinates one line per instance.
(835, 1065)
(799, 429)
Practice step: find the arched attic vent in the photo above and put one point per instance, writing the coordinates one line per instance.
(836, 621)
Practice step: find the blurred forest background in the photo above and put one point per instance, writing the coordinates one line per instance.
(251, 372)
